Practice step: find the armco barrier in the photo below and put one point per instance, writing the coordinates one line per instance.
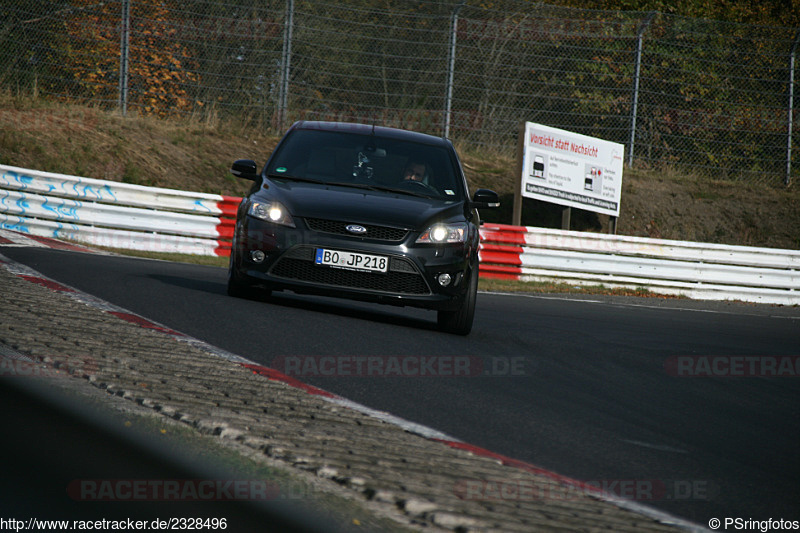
(121, 215)
(116, 215)
(696, 270)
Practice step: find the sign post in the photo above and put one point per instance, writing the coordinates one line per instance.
(568, 169)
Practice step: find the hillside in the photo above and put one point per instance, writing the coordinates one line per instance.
(194, 154)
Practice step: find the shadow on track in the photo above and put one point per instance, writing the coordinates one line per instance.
(322, 304)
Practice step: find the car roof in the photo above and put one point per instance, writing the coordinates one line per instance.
(366, 129)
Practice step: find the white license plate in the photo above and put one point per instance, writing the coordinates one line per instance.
(351, 260)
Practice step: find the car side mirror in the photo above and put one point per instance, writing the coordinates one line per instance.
(485, 198)
(245, 168)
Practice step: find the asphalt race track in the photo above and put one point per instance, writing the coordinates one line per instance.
(586, 387)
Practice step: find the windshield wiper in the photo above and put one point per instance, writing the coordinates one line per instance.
(381, 188)
(296, 178)
(402, 191)
(367, 186)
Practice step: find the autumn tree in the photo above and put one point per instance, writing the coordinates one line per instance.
(160, 67)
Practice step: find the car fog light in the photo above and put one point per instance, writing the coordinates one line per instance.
(257, 256)
(444, 279)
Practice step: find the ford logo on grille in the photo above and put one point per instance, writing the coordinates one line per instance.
(355, 228)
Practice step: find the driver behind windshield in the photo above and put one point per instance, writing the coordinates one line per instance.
(415, 171)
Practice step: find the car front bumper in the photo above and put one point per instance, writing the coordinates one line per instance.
(412, 277)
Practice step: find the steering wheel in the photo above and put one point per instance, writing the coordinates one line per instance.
(413, 184)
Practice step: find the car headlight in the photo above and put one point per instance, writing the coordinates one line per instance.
(444, 233)
(271, 212)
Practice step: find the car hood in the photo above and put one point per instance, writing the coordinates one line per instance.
(310, 200)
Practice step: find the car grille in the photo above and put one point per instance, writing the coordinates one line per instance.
(402, 277)
(380, 233)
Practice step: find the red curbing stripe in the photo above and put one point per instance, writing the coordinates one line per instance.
(58, 245)
(500, 236)
(274, 375)
(502, 258)
(522, 465)
(229, 205)
(501, 248)
(503, 233)
(143, 322)
(506, 227)
(223, 249)
(226, 224)
(225, 228)
(46, 283)
(3, 240)
(493, 275)
(499, 272)
(500, 269)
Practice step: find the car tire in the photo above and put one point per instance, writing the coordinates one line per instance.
(239, 288)
(459, 322)
(236, 287)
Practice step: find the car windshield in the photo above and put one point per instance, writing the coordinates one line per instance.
(368, 160)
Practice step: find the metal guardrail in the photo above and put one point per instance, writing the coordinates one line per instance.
(696, 270)
(115, 215)
(125, 216)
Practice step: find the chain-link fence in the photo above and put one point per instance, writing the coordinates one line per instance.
(710, 98)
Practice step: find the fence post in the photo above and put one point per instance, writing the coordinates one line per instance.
(451, 64)
(636, 74)
(123, 56)
(286, 57)
(790, 111)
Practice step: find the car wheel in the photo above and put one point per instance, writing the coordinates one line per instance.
(239, 288)
(459, 322)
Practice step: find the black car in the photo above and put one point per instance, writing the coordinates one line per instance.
(361, 212)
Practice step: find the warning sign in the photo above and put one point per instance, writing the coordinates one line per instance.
(571, 169)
